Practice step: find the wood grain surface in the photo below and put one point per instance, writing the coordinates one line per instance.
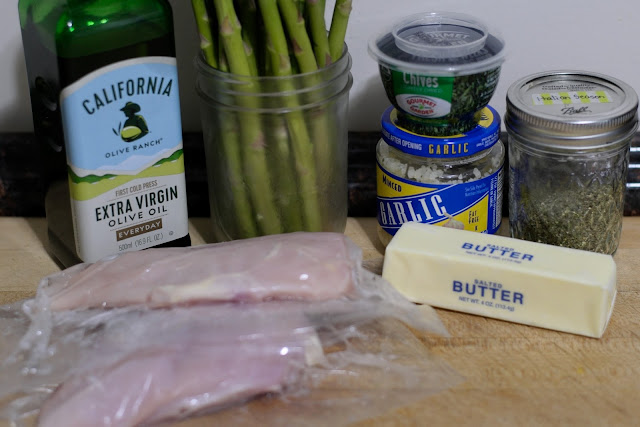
(513, 374)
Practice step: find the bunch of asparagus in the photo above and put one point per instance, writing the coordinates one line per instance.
(273, 38)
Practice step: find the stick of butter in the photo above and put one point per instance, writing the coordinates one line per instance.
(536, 284)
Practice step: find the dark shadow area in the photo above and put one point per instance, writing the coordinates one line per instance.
(39, 227)
(203, 227)
(187, 47)
(370, 101)
(17, 114)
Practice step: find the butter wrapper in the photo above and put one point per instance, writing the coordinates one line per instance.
(532, 283)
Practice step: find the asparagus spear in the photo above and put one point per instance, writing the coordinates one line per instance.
(280, 65)
(274, 128)
(322, 130)
(231, 33)
(301, 144)
(298, 36)
(315, 12)
(204, 29)
(279, 55)
(251, 56)
(248, 17)
(253, 140)
(230, 146)
(338, 30)
(223, 65)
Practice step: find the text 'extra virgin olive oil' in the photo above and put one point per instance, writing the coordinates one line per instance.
(104, 95)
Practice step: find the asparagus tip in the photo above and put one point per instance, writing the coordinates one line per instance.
(297, 49)
(204, 43)
(346, 7)
(226, 28)
(248, 50)
(259, 143)
(285, 63)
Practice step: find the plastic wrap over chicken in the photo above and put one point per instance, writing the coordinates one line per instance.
(162, 334)
(296, 266)
(150, 366)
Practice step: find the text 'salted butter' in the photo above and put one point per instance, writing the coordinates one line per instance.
(540, 285)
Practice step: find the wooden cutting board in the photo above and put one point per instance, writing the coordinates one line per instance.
(511, 374)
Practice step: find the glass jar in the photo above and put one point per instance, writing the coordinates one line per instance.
(451, 181)
(276, 150)
(569, 138)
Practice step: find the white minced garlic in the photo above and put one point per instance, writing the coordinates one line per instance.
(440, 171)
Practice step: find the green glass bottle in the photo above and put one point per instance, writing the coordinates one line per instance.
(105, 102)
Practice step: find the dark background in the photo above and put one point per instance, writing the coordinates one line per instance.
(22, 185)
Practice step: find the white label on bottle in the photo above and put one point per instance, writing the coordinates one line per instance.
(124, 151)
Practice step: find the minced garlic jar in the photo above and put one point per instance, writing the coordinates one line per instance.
(453, 181)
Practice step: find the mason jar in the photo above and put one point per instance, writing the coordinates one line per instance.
(453, 181)
(569, 136)
(276, 149)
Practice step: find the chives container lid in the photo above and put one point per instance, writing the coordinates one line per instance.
(571, 110)
(449, 43)
(483, 136)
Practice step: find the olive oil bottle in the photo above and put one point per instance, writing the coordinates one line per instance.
(104, 96)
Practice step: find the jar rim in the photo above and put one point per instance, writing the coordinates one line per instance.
(204, 97)
(335, 69)
(273, 94)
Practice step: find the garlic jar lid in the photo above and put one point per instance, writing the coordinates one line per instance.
(483, 136)
(444, 42)
(573, 110)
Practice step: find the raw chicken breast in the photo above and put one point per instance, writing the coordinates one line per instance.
(171, 363)
(299, 266)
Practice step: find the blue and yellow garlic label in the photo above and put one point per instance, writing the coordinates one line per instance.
(474, 205)
(485, 135)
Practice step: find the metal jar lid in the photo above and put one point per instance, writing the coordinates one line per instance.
(571, 110)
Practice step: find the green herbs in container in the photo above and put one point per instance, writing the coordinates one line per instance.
(274, 81)
(569, 139)
(439, 70)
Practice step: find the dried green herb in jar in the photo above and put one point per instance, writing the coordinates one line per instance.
(569, 139)
(586, 219)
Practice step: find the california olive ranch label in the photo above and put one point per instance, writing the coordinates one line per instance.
(124, 156)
